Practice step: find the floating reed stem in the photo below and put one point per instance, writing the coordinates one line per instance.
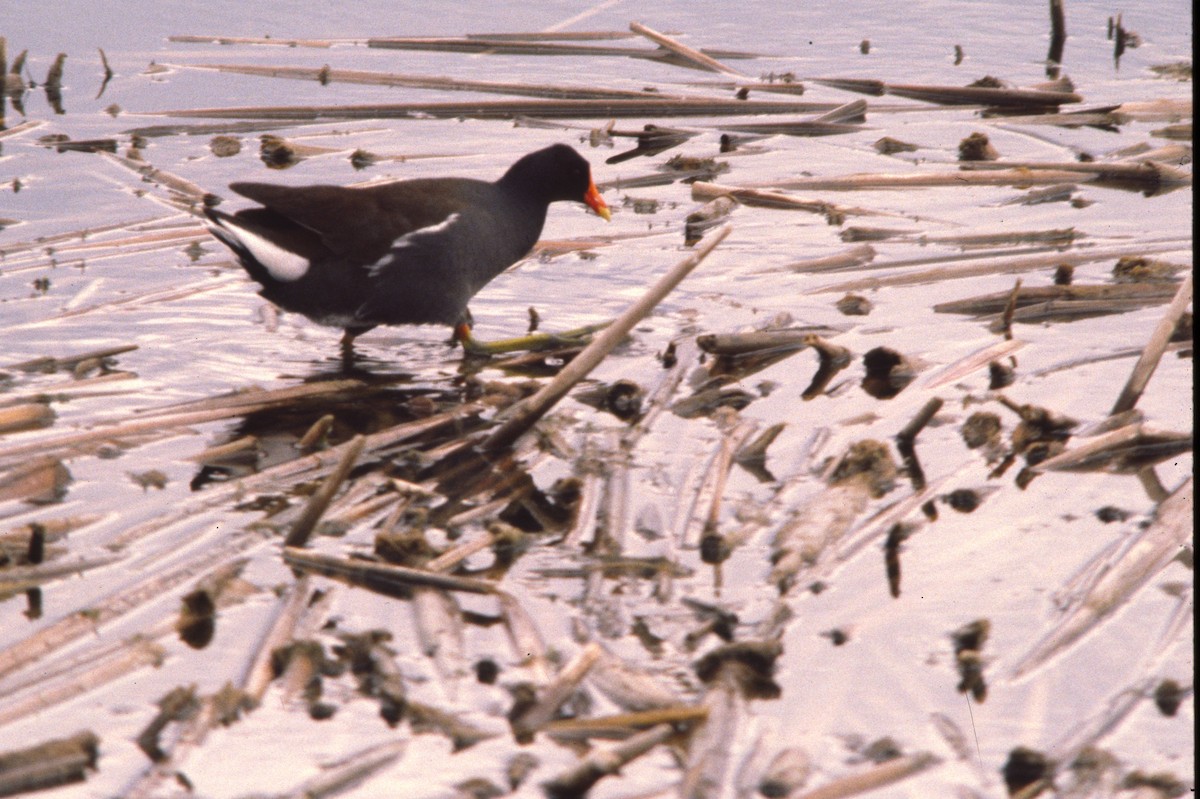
(522, 416)
(1153, 352)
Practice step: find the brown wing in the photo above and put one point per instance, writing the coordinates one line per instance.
(362, 223)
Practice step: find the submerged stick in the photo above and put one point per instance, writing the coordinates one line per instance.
(1153, 352)
(526, 413)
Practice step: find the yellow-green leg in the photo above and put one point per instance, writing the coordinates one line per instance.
(532, 342)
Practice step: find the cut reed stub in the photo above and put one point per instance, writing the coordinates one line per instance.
(61, 761)
(888, 372)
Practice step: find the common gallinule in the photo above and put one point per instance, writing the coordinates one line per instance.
(411, 252)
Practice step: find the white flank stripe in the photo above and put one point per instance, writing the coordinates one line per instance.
(407, 240)
(283, 265)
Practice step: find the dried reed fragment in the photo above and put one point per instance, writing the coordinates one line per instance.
(694, 57)
(1148, 362)
(524, 415)
(873, 777)
(1141, 560)
(579, 779)
(866, 470)
(49, 764)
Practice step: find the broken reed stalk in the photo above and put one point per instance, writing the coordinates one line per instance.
(255, 399)
(906, 443)
(773, 199)
(622, 724)
(49, 764)
(709, 752)
(1144, 556)
(526, 413)
(504, 109)
(537, 46)
(684, 354)
(320, 43)
(24, 127)
(580, 778)
(956, 95)
(164, 238)
(1058, 31)
(22, 578)
(385, 578)
(1144, 171)
(552, 696)
(1115, 295)
(528, 646)
(917, 423)
(1153, 352)
(326, 75)
(81, 623)
(86, 668)
(438, 627)
(712, 488)
(319, 501)
(1010, 307)
(276, 477)
(121, 429)
(185, 291)
(100, 670)
(1145, 176)
(1107, 450)
(976, 360)
(38, 247)
(75, 388)
(683, 51)
(350, 772)
(873, 777)
(997, 264)
(290, 609)
(161, 177)
(51, 364)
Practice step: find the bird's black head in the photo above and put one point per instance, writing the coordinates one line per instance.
(556, 173)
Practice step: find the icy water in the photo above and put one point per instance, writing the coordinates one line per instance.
(96, 259)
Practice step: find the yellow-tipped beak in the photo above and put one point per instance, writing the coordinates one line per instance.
(596, 202)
